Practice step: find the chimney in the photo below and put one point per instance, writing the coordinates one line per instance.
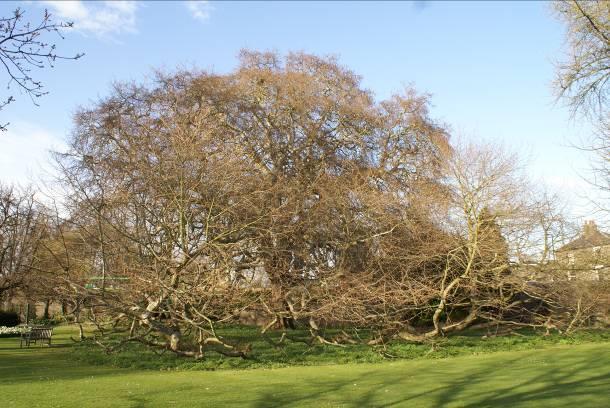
(589, 229)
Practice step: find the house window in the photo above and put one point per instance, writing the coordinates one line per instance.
(596, 252)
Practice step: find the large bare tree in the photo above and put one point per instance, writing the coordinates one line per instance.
(284, 190)
(270, 188)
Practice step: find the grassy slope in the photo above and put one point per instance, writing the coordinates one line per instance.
(557, 376)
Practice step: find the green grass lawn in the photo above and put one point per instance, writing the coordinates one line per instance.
(555, 375)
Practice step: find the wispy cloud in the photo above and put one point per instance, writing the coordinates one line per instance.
(200, 10)
(24, 156)
(105, 18)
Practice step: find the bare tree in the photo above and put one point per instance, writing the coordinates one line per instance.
(21, 231)
(583, 81)
(475, 283)
(284, 189)
(272, 188)
(582, 78)
(24, 47)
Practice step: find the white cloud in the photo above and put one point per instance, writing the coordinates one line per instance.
(24, 156)
(98, 18)
(200, 10)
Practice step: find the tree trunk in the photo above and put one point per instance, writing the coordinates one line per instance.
(45, 314)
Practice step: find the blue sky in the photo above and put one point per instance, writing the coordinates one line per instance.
(488, 66)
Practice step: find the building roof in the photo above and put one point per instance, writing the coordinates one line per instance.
(590, 237)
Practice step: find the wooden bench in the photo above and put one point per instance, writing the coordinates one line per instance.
(36, 333)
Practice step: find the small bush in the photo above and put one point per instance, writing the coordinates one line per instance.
(45, 322)
(9, 319)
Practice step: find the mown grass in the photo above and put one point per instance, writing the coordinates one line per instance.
(555, 375)
(298, 353)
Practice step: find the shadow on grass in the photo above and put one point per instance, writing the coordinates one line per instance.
(534, 381)
(526, 381)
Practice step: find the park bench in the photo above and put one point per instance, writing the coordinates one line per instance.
(36, 333)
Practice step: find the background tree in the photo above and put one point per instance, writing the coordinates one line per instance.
(25, 46)
(582, 78)
(22, 228)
